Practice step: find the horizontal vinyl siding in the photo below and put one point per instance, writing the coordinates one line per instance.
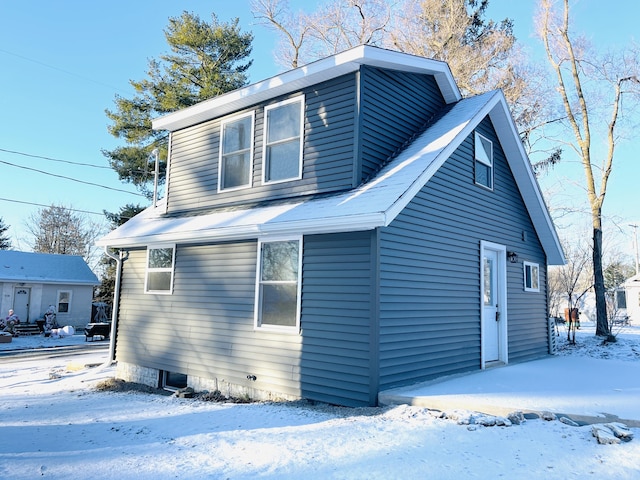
(205, 328)
(430, 273)
(336, 319)
(328, 163)
(394, 106)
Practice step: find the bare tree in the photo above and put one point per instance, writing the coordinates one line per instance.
(588, 86)
(57, 229)
(482, 54)
(569, 283)
(294, 28)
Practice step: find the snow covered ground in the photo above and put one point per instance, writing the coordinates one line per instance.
(55, 424)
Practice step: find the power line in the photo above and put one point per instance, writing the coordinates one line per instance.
(54, 159)
(52, 67)
(72, 179)
(47, 206)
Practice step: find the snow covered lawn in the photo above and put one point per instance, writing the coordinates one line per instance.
(55, 424)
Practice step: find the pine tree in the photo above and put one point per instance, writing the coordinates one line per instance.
(5, 241)
(207, 59)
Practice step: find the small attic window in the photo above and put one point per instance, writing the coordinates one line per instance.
(483, 149)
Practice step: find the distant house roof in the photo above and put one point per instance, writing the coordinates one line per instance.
(45, 268)
(371, 205)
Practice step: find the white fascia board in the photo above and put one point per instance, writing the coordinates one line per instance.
(496, 108)
(347, 223)
(338, 224)
(526, 180)
(313, 73)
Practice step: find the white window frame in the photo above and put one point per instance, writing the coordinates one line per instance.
(534, 286)
(258, 297)
(70, 292)
(221, 169)
(479, 154)
(159, 269)
(266, 145)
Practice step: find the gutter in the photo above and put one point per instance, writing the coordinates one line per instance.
(116, 305)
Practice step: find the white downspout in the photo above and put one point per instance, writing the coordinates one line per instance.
(116, 305)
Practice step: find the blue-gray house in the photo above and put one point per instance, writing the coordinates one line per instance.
(340, 229)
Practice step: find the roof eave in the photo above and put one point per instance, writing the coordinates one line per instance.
(311, 74)
(526, 180)
(340, 224)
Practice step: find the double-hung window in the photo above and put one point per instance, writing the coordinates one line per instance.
(531, 277)
(278, 284)
(483, 165)
(159, 272)
(64, 301)
(236, 152)
(283, 136)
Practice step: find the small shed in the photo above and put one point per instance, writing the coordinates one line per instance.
(30, 282)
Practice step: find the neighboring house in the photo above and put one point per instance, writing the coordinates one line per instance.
(342, 228)
(632, 298)
(627, 300)
(30, 282)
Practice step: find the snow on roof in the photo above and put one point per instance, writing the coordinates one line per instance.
(319, 71)
(371, 205)
(45, 268)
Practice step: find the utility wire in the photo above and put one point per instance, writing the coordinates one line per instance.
(63, 71)
(72, 179)
(47, 206)
(54, 159)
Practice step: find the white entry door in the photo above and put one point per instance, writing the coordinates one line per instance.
(21, 296)
(494, 319)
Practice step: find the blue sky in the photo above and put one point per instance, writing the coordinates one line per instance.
(63, 62)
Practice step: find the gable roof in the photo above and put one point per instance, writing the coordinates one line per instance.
(319, 71)
(371, 205)
(45, 268)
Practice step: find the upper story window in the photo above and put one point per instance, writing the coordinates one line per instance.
(236, 152)
(159, 274)
(531, 277)
(278, 284)
(483, 149)
(283, 128)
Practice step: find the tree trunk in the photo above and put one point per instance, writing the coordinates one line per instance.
(602, 324)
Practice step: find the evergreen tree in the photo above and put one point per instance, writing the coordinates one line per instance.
(207, 59)
(5, 241)
(106, 289)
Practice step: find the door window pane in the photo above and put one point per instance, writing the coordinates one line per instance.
(489, 271)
